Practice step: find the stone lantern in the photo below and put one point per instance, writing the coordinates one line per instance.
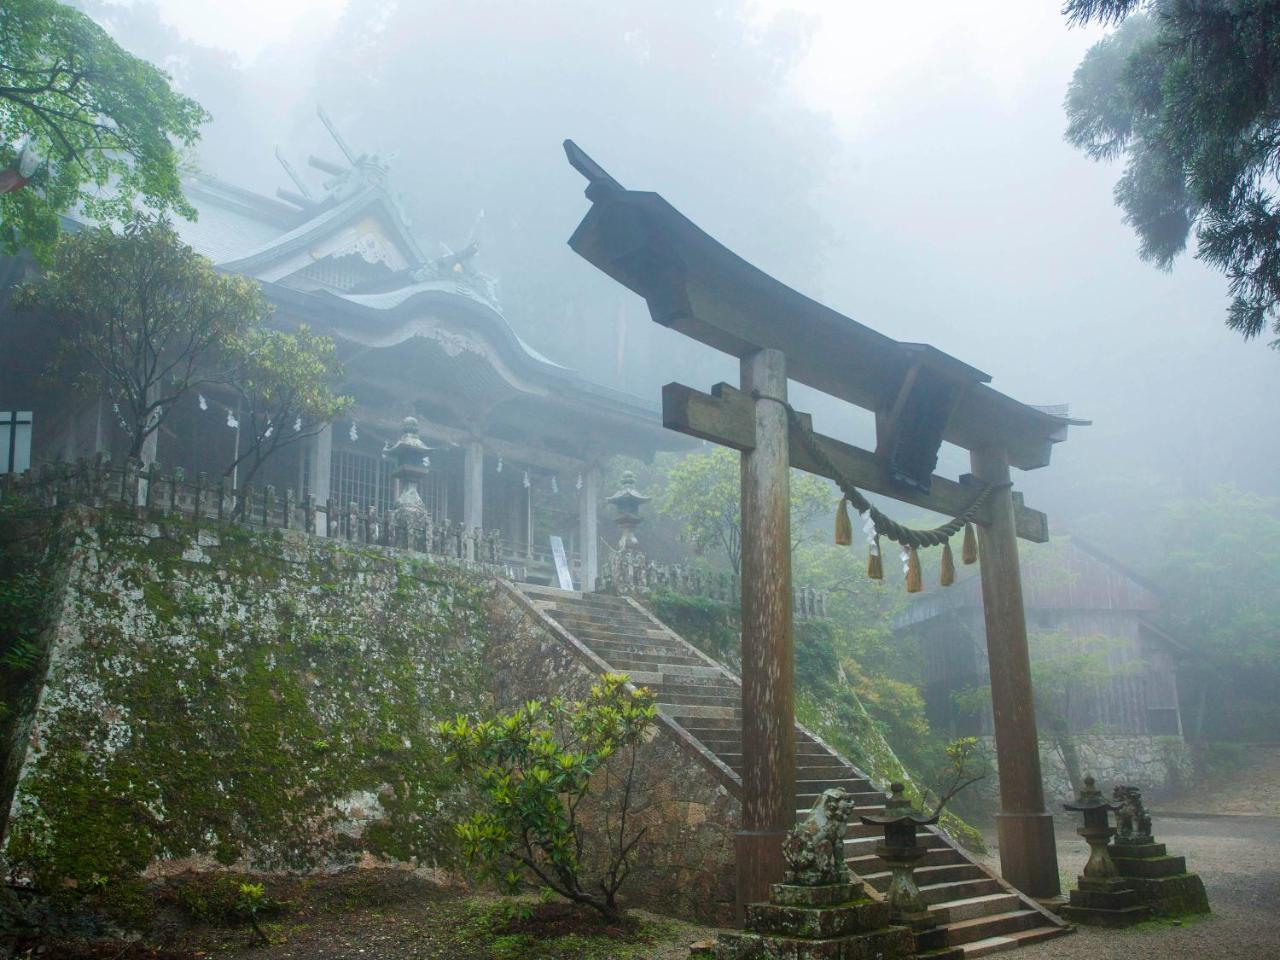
(626, 504)
(1102, 897)
(411, 457)
(901, 852)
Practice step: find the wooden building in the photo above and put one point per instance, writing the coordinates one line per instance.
(518, 439)
(1077, 599)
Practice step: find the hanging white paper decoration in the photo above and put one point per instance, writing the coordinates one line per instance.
(906, 561)
(204, 404)
(525, 480)
(426, 462)
(297, 425)
(232, 422)
(555, 485)
(266, 434)
(577, 484)
(353, 433)
(499, 465)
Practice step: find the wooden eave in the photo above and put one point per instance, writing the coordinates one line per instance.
(697, 286)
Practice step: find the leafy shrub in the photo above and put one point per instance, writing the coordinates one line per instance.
(535, 767)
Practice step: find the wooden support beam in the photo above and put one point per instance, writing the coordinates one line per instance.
(727, 417)
(768, 689)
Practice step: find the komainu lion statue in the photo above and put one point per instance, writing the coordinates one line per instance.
(1132, 820)
(815, 848)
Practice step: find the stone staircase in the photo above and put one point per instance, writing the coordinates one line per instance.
(702, 700)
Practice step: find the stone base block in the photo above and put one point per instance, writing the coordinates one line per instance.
(891, 943)
(1131, 867)
(1142, 851)
(932, 942)
(1102, 917)
(1172, 896)
(817, 922)
(1105, 903)
(1096, 895)
(830, 895)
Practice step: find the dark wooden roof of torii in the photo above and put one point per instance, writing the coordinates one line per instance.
(697, 286)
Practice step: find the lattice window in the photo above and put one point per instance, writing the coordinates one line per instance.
(15, 441)
(360, 478)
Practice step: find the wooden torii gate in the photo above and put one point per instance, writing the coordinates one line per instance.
(920, 397)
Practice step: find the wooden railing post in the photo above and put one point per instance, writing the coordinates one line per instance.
(1028, 856)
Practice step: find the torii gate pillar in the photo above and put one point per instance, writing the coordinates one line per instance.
(768, 697)
(1028, 857)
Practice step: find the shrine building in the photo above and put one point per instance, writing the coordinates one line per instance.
(518, 440)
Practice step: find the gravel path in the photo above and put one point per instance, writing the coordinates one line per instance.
(1239, 860)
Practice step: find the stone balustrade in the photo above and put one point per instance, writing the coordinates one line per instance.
(98, 482)
(630, 573)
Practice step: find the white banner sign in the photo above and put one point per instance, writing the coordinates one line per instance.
(562, 564)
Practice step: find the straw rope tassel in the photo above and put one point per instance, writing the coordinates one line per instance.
(969, 551)
(875, 567)
(948, 575)
(844, 526)
(915, 582)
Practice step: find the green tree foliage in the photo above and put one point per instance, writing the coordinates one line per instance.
(1189, 93)
(1219, 575)
(702, 494)
(536, 767)
(287, 384)
(105, 125)
(145, 318)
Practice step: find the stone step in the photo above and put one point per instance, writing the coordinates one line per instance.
(865, 845)
(613, 630)
(623, 664)
(678, 710)
(992, 925)
(709, 688)
(936, 857)
(711, 678)
(944, 893)
(686, 673)
(928, 876)
(659, 646)
(805, 806)
(665, 695)
(804, 751)
(1021, 938)
(954, 911)
(619, 638)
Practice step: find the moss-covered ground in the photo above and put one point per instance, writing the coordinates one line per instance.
(380, 914)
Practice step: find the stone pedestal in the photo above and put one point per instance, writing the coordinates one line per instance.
(1161, 881)
(1109, 902)
(835, 921)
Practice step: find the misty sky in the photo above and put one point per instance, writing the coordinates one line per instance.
(960, 217)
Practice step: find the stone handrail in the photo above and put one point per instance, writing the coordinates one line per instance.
(630, 573)
(146, 490)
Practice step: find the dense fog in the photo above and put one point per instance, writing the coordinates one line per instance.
(906, 167)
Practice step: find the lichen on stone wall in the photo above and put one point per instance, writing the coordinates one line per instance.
(261, 700)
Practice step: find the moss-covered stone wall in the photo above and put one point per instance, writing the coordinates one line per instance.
(221, 697)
